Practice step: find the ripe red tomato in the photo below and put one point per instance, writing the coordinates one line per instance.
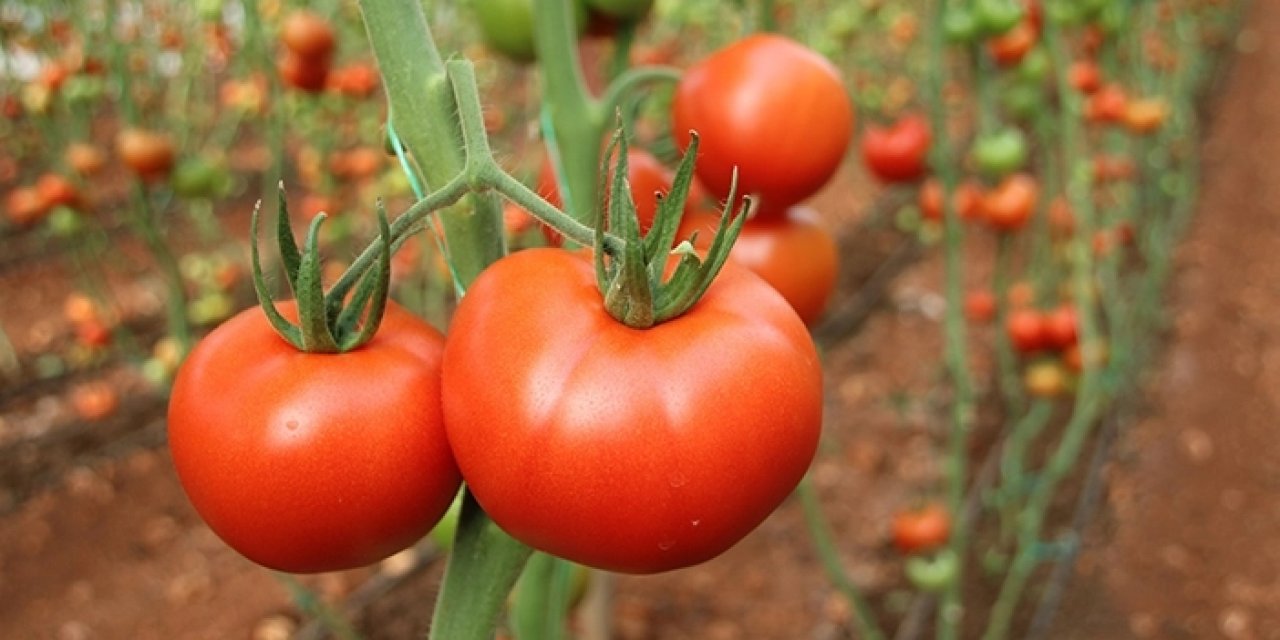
(1107, 104)
(308, 35)
(25, 206)
(773, 108)
(1060, 327)
(85, 158)
(57, 191)
(795, 254)
(1010, 47)
(1010, 204)
(303, 74)
(1026, 329)
(313, 462)
(898, 153)
(980, 305)
(921, 530)
(147, 153)
(628, 450)
(1085, 76)
(967, 200)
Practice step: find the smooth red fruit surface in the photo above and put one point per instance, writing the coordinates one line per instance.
(773, 108)
(313, 462)
(1026, 330)
(308, 34)
(303, 74)
(148, 153)
(1009, 205)
(795, 254)
(1061, 327)
(625, 449)
(57, 191)
(921, 530)
(898, 153)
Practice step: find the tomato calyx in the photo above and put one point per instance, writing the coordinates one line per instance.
(632, 281)
(327, 322)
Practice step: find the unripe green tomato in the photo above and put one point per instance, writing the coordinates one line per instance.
(845, 20)
(628, 10)
(198, 177)
(1035, 66)
(960, 25)
(1001, 153)
(64, 222)
(1111, 18)
(507, 26)
(155, 372)
(996, 17)
(210, 308)
(932, 574)
(209, 10)
(1064, 12)
(82, 89)
(1022, 100)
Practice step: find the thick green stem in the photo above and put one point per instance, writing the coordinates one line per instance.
(483, 567)
(423, 111)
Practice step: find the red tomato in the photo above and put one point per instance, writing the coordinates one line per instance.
(967, 200)
(358, 80)
(147, 153)
(1010, 204)
(898, 153)
(313, 462)
(308, 35)
(1026, 330)
(94, 401)
(303, 74)
(1060, 328)
(57, 191)
(1085, 76)
(629, 450)
(921, 530)
(1009, 48)
(795, 254)
(1145, 115)
(24, 206)
(773, 108)
(1107, 104)
(980, 305)
(85, 158)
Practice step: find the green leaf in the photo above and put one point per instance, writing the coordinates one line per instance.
(670, 211)
(278, 322)
(375, 293)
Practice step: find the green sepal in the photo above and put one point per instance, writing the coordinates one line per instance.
(629, 297)
(372, 291)
(287, 330)
(290, 257)
(666, 224)
(313, 316)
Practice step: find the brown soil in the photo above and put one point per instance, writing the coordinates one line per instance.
(1184, 548)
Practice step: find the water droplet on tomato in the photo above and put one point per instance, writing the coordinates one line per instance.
(695, 522)
(666, 545)
(677, 480)
(291, 425)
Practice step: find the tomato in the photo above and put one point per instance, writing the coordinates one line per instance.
(980, 306)
(93, 333)
(628, 450)
(57, 191)
(959, 24)
(303, 74)
(1145, 115)
(308, 35)
(1107, 104)
(1026, 329)
(85, 159)
(997, 16)
(357, 80)
(1045, 379)
(507, 26)
(1085, 76)
(1010, 47)
(932, 574)
(199, 177)
(795, 254)
(313, 462)
(899, 153)
(967, 200)
(147, 153)
(1000, 153)
(1060, 328)
(1035, 66)
(94, 401)
(921, 530)
(1062, 220)
(773, 108)
(628, 10)
(24, 206)
(1009, 205)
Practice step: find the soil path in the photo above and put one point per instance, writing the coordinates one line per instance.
(1191, 545)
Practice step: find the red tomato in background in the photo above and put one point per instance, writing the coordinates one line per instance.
(980, 305)
(898, 153)
(313, 462)
(1026, 330)
(1060, 327)
(1009, 205)
(773, 108)
(150, 154)
(303, 74)
(629, 450)
(921, 530)
(308, 35)
(795, 254)
(967, 200)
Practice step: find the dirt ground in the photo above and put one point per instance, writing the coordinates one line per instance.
(1184, 547)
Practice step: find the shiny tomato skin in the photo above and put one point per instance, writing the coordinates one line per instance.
(631, 450)
(898, 153)
(313, 462)
(772, 107)
(795, 254)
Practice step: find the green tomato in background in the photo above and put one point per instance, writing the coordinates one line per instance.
(1022, 100)
(64, 222)
(959, 24)
(82, 89)
(507, 26)
(199, 177)
(1035, 66)
(1001, 153)
(932, 574)
(995, 17)
(628, 10)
